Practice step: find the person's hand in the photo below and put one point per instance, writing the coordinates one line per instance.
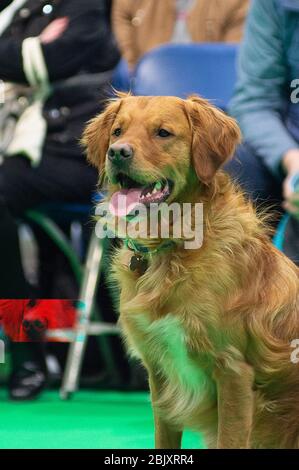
(54, 30)
(290, 194)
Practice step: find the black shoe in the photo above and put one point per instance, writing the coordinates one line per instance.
(27, 382)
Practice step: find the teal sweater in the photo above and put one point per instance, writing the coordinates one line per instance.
(266, 100)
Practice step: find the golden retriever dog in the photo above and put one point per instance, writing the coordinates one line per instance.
(212, 325)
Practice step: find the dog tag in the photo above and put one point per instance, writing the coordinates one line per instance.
(138, 263)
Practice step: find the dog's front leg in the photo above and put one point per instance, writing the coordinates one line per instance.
(235, 406)
(165, 436)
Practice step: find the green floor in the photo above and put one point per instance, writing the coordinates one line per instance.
(91, 420)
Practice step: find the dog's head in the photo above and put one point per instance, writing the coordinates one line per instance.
(152, 149)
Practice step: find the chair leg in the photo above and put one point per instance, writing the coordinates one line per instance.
(87, 301)
(87, 296)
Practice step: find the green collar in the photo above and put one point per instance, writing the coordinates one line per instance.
(137, 248)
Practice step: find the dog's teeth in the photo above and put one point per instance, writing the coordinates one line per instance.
(155, 191)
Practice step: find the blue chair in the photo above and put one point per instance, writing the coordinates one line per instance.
(279, 237)
(121, 80)
(180, 70)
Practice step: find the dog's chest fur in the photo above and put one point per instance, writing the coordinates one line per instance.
(187, 388)
(159, 336)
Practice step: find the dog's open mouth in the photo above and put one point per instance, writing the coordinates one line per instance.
(133, 193)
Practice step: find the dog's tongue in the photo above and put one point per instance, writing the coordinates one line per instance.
(123, 202)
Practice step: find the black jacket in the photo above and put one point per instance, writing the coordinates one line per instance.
(86, 47)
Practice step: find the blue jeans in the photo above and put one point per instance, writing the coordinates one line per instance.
(266, 191)
(256, 180)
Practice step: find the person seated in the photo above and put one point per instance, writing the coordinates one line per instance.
(140, 25)
(266, 106)
(56, 59)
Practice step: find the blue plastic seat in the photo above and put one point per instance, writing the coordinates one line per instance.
(279, 237)
(121, 77)
(183, 69)
(68, 211)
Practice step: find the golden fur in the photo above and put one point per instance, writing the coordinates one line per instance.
(213, 326)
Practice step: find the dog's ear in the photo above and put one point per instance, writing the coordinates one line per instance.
(215, 137)
(96, 135)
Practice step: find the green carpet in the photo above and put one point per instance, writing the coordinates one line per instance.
(90, 420)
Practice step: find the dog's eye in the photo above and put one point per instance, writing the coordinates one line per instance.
(163, 133)
(117, 132)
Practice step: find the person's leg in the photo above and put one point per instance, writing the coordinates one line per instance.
(13, 284)
(55, 180)
(256, 180)
(247, 169)
(23, 187)
(28, 363)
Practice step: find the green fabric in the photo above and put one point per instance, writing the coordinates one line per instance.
(90, 420)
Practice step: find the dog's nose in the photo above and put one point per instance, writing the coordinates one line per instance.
(119, 153)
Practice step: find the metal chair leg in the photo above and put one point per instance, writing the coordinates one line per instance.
(87, 296)
(84, 325)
